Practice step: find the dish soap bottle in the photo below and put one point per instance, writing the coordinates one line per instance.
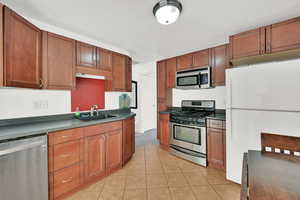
(77, 112)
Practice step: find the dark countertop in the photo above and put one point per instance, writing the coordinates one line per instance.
(27, 129)
(218, 115)
(272, 177)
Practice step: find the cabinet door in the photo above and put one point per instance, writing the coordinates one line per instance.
(119, 71)
(161, 80)
(114, 150)
(184, 62)
(201, 58)
(216, 148)
(171, 72)
(58, 62)
(219, 64)
(128, 139)
(128, 75)
(86, 55)
(164, 129)
(22, 51)
(104, 58)
(94, 157)
(283, 36)
(250, 43)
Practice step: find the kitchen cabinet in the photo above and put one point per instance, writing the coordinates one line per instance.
(121, 74)
(185, 62)
(201, 58)
(114, 150)
(86, 55)
(219, 63)
(171, 72)
(249, 43)
(78, 157)
(283, 36)
(104, 59)
(22, 52)
(128, 139)
(216, 144)
(94, 158)
(164, 129)
(161, 80)
(58, 62)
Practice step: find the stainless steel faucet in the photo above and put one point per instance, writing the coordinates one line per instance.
(93, 110)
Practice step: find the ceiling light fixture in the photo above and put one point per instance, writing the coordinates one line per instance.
(167, 11)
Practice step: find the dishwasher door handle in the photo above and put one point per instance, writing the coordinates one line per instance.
(23, 147)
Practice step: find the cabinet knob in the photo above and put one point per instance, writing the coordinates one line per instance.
(41, 83)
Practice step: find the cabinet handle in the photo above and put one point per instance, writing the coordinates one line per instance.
(41, 83)
(65, 155)
(67, 180)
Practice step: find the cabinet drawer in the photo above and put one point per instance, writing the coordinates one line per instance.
(102, 128)
(65, 136)
(218, 124)
(66, 180)
(66, 154)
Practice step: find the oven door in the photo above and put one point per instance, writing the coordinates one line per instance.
(188, 137)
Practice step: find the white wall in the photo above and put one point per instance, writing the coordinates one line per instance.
(145, 75)
(218, 94)
(16, 103)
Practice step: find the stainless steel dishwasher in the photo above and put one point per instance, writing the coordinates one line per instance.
(23, 168)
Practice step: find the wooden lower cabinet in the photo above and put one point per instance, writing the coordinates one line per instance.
(81, 156)
(114, 150)
(164, 129)
(216, 144)
(128, 139)
(94, 157)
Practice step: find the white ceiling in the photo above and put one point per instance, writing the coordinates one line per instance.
(130, 24)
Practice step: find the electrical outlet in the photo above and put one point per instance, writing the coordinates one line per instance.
(40, 104)
(268, 149)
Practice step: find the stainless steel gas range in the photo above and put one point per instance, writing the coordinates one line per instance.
(188, 130)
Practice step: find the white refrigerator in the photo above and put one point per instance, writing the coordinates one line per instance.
(259, 98)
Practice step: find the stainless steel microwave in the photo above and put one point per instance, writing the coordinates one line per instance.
(194, 79)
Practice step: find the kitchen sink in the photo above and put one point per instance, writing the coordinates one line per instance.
(88, 117)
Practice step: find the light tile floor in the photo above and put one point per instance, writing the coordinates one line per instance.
(155, 174)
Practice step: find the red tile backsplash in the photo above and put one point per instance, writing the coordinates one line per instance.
(88, 92)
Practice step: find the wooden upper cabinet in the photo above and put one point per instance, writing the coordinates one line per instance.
(161, 80)
(184, 62)
(283, 36)
(249, 43)
(94, 156)
(58, 62)
(22, 51)
(219, 63)
(104, 59)
(128, 74)
(86, 55)
(114, 150)
(201, 58)
(171, 72)
(119, 71)
(128, 139)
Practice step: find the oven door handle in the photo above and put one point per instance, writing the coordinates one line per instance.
(199, 155)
